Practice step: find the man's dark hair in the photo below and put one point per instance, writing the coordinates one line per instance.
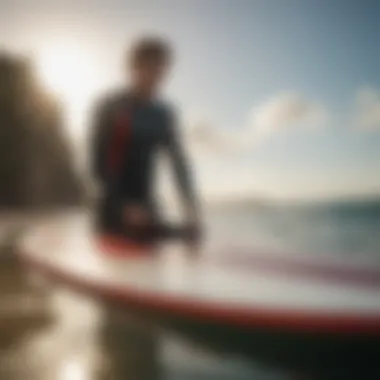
(151, 49)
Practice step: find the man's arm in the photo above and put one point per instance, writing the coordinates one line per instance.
(99, 141)
(182, 169)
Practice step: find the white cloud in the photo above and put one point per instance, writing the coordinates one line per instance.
(207, 138)
(368, 109)
(282, 112)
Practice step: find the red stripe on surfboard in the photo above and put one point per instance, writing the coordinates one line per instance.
(303, 321)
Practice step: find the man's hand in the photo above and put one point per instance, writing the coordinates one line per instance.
(136, 215)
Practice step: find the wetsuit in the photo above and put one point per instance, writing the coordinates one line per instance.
(128, 133)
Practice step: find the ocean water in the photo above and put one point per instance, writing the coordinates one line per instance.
(336, 228)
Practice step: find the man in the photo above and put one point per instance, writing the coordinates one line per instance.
(130, 128)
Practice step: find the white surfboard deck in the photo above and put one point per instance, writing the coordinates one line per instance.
(66, 246)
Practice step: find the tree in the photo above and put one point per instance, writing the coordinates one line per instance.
(36, 166)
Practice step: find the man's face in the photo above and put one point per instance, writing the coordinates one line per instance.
(148, 75)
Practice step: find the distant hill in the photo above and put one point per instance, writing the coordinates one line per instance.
(238, 202)
(338, 204)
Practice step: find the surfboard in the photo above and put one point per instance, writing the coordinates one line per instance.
(296, 310)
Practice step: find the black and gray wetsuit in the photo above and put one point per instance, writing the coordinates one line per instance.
(128, 133)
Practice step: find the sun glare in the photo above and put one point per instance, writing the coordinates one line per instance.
(69, 74)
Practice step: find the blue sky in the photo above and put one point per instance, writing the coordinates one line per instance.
(234, 57)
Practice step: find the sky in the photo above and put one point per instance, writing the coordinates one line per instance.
(278, 98)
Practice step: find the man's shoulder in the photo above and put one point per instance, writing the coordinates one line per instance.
(165, 108)
(109, 99)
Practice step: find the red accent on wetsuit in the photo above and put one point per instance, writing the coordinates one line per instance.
(120, 136)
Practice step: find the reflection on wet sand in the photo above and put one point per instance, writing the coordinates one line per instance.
(58, 335)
